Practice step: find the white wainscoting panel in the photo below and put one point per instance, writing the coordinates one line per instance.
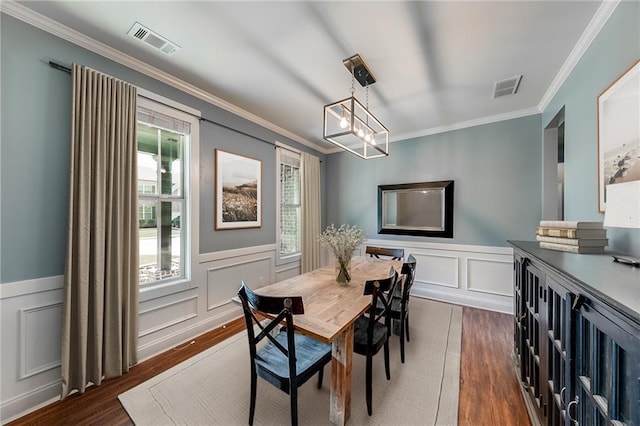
(30, 327)
(437, 269)
(164, 315)
(224, 278)
(39, 352)
(488, 275)
(476, 276)
(182, 316)
(288, 270)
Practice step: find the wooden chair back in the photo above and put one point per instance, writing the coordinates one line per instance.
(386, 252)
(256, 306)
(288, 359)
(409, 272)
(381, 291)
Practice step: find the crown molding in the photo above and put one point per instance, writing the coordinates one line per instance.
(461, 125)
(470, 123)
(55, 28)
(600, 18)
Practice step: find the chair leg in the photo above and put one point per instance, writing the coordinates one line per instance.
(320, 374)
(402, 341)
(386, 360)
(293, 393)
(252, 404)
(406, 319)
(369, 384)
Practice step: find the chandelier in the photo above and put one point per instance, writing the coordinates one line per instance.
(349, 124)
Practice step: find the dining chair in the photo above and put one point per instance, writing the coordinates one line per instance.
(400, 302)
(371, 330)
(287, 359)
(387, 252)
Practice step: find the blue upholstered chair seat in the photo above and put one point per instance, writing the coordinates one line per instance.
(273, 366)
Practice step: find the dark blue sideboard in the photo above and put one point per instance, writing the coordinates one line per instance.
(577, 336)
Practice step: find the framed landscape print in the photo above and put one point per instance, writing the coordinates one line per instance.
(238, 191)
(619, 132)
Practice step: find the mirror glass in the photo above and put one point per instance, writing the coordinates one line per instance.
(424, 209)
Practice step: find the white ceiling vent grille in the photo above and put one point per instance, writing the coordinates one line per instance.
(153, 39)
(506, 87)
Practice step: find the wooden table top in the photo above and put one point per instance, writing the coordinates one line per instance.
(331, 307)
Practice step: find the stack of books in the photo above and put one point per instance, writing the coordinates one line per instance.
(572, 236)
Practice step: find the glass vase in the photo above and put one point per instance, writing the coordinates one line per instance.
(343, 270)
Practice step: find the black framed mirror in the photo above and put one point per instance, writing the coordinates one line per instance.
(423, 209)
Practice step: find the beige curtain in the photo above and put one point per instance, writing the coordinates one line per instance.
(311, 213)
(100, 307)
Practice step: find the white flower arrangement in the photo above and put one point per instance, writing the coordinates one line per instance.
(342, 242)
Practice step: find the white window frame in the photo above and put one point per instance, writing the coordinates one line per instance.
(281, 260)
(191, 189)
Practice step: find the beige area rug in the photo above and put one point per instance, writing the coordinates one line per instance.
(212, 388)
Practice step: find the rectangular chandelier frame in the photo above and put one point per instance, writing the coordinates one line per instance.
(350, 126)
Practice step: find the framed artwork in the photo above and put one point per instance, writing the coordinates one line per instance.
(619, 132)
(238, 191)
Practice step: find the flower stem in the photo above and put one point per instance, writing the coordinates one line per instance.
(343, 274)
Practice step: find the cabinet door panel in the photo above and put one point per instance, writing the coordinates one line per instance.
(519, 311)
(607, 371)
(558, 317)
(535, 340)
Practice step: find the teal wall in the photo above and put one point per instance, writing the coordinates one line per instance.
(495, 169)
(34, 153)
(613, 51)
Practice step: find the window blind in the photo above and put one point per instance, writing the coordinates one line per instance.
(162, 121)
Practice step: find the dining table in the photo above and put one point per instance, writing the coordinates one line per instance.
(330, 312)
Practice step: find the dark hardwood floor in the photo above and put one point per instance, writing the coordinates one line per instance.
(489, 392)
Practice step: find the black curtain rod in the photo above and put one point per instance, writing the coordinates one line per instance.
(68, 70)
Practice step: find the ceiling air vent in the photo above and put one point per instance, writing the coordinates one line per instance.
(153, 39)
(506, 87)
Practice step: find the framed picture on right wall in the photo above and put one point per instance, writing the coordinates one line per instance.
(619, 132)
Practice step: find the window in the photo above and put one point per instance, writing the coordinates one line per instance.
(289, 197)
(163, 141)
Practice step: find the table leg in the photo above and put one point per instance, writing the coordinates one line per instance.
(342, 356)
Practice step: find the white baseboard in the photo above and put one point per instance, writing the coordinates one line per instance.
(464, 298)
(30, 401)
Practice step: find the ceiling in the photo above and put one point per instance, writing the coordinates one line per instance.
(435, 62)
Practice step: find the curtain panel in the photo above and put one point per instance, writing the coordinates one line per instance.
(311, 212)
(100, 305)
